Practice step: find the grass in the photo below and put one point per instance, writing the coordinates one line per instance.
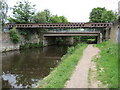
(59, 75)
(107, 64)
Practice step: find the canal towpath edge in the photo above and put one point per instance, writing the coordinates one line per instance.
(79, 78)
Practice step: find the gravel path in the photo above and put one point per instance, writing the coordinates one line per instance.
(79, 78)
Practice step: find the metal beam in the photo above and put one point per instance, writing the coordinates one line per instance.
(60, 25)
(47, 35)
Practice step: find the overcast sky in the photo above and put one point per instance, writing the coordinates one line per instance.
(73, 10)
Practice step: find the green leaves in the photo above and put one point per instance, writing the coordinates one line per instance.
(102, 15)
(58, 19)
(46, 17)
(23, 11)
(40, 17)
(14, 35)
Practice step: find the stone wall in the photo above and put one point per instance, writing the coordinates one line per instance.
(8, 45)
(114, 32)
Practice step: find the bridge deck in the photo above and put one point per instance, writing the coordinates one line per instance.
(46, 34)
(61, 25)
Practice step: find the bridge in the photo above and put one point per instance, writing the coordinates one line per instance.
(50, 36)
(60, 25)
(70, 33)
(99, 30)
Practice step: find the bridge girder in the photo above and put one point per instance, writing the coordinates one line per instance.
(60, 25)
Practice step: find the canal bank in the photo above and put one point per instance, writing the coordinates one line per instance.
(9, 45)
(107, 65)
(79, 78)
(59, 75)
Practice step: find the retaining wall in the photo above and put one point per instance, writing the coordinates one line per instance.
(8, 45)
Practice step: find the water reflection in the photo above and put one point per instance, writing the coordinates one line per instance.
(23, 69)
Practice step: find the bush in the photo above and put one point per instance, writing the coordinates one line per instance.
(31, 45)
(14, 36)
(70, 50)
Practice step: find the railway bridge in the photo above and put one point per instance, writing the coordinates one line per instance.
(100, 30)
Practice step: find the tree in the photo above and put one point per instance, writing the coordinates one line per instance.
(46, 17)
(22, 12)
(55, 19)
(109, 16)
(42, 17)
(63, 19)
(102, 15)
(3, 12)
(58, 19)
(47, 14)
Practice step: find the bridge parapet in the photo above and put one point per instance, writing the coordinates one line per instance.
(60, 25)
(71, 31)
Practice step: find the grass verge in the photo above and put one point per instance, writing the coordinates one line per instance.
(59, 75)
(107, 64)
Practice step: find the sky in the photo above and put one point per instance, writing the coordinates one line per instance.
(73, 10)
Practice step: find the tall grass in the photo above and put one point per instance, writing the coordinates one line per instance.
(58, 77)
(107, 64)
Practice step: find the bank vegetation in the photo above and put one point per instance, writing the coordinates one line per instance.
(59, 75)
(107, 65)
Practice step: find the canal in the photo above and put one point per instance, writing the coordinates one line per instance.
(25, 68)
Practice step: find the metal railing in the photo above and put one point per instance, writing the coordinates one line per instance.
(73, 30)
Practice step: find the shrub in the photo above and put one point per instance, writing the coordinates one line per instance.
(14, 35)
(31, 45)
(70, 50)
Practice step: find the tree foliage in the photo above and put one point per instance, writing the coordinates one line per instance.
(63, 19)
(3, 11)
(58, 19)
(46, 17)
(22, 12)
(47, 14)
(55, 19)
(102, 15)
(42, 17)
(14, 35)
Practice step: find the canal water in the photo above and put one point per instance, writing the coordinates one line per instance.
(25, 68)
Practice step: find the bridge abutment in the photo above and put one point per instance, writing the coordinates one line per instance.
(107, 34)
(53, 40)
(49, 41)
(69, 40)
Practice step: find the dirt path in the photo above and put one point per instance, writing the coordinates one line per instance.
(79, 78)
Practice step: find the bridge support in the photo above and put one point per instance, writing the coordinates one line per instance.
(52, 40)
(69, 40)
(48, 41)
(99, 38)
(107, 34)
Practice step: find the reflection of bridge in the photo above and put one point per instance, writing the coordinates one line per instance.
(61, 25)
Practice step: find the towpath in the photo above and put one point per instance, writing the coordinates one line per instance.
(79, 79)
